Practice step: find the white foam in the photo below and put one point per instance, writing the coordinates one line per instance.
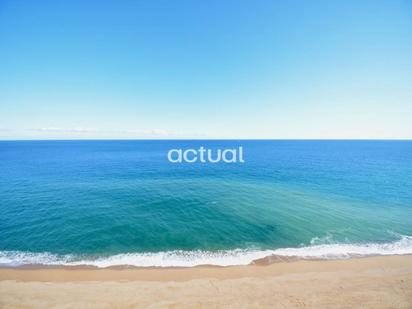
(341, 251)
(219, 258)
(176, 258)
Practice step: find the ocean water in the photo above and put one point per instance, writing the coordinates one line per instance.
(106, 203)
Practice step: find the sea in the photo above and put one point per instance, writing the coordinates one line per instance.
(109, 203)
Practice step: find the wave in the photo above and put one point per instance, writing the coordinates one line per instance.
(179, 258)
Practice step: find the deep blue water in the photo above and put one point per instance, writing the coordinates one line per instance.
(72, 200)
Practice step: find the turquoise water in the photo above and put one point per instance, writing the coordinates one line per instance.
(122, 202)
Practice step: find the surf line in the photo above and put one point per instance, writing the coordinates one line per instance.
(204, 155)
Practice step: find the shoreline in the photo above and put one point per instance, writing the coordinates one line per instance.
(264, 261)
(371, 282)
(49, 273)
(258, 262)
(195, 258)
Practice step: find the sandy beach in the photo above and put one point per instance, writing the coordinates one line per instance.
(374, 282)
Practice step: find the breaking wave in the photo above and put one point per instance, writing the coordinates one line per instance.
(179, 258)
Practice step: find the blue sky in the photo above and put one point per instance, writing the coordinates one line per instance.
(205, 69)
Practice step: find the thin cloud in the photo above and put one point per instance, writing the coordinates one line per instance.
(65, 130)
(80, 130)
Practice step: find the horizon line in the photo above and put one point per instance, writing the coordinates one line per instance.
(207, 139)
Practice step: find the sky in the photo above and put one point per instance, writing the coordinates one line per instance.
(206, 69)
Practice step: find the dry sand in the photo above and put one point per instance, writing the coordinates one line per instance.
(375, 282)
